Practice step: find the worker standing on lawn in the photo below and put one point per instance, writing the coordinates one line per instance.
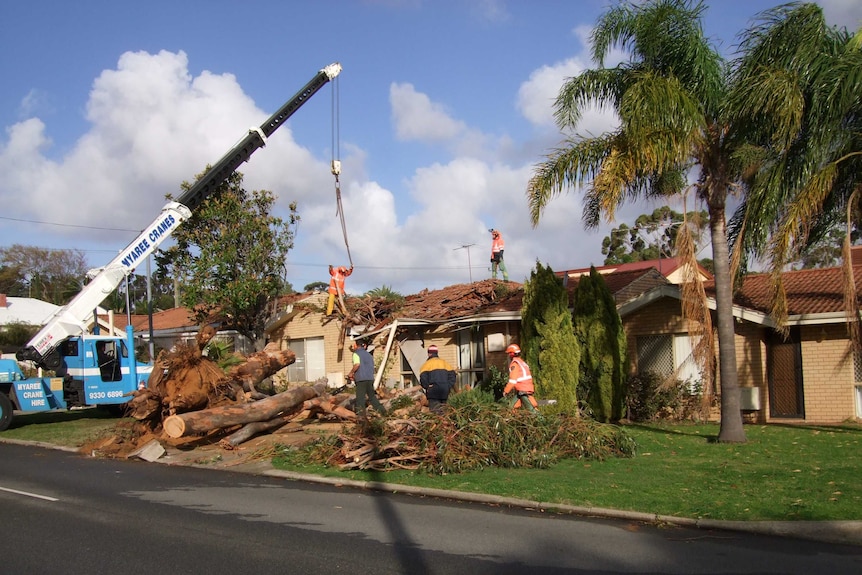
(520, 380)
(497, 247)
(336, 286)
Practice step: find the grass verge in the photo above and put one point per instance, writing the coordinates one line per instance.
(67, 428)
(782, 473)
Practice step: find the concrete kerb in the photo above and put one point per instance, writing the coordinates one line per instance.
(836, 532)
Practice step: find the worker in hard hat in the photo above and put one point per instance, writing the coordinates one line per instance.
(336, 286)
(520, 380)
(497, 247)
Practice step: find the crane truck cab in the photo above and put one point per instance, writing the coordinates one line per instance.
(92, 370)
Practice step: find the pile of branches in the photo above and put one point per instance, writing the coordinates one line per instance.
(469, 438)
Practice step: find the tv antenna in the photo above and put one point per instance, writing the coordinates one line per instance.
(469, 263)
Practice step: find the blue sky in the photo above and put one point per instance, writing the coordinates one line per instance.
(445, 107)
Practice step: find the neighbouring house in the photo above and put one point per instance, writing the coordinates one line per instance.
(674, 269)
(810, 374)
(177, 325)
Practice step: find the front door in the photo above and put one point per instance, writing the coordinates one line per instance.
(784, 369)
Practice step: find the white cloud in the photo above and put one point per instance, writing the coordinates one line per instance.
(536, 96)
(416, 117)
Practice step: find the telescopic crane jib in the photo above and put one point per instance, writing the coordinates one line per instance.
(73, 318)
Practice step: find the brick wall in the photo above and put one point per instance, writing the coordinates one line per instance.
(827, 373)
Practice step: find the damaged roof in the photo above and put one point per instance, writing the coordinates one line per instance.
(462, 300)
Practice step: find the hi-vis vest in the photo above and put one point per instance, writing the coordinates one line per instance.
(519, 375)
(497, 245)
(337, 279)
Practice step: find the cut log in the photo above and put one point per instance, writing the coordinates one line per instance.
(251, 429)
(259, 366)
(239, 414)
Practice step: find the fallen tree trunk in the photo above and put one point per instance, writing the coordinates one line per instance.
(251, 429)
(258, 366)
(228, 415)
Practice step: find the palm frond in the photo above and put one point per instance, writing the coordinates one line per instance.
(565, 168)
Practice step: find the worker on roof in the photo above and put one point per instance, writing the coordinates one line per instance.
(520, 380)
(497, 247)
(336, 286)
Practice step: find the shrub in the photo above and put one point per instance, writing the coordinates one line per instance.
(651, 397)
(495, 383)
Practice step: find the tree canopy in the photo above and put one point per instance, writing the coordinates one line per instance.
(653, 236)
(55, 276)
(603, 366)
(800, 84)
(230, 257)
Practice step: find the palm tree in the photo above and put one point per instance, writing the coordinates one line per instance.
(811, 143)
(671, 98)
(385, 292)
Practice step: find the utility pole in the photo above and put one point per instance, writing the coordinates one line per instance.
(469, 263)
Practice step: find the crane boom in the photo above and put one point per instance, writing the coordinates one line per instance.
(73, 318)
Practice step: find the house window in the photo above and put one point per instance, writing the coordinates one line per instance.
(310, 364)
(857, 367)
(655, 354)
(471, 358)
(669, 354)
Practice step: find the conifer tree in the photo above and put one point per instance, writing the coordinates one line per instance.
(548, 343)
(602, 342)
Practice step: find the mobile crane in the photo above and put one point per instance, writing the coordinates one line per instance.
(101, 369)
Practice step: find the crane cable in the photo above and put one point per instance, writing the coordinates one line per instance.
(336, 162)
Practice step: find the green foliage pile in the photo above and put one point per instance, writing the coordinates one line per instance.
(548, 343)
(495, 383)
(476, 436)
(599, 330)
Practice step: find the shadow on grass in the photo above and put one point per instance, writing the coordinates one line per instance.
(846, 427)
(676, 429)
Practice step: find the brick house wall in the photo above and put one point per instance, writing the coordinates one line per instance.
(828, 374)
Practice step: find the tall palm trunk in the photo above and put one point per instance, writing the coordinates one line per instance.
(731, 430)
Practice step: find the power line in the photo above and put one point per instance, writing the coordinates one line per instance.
(67, 225)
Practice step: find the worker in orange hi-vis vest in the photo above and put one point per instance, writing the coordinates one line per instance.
(520, 380)
(497, 247)
(336, 286)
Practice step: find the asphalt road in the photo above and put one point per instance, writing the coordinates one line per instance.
(67, 514)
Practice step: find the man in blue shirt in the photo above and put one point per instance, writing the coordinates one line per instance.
(362, 374)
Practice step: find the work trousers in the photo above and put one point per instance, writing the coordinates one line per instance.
(502, 266)
(365, 392)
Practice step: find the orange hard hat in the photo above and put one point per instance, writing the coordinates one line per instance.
(513, 349)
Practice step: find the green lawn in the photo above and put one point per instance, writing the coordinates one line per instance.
(781, 473)
(66, 428)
